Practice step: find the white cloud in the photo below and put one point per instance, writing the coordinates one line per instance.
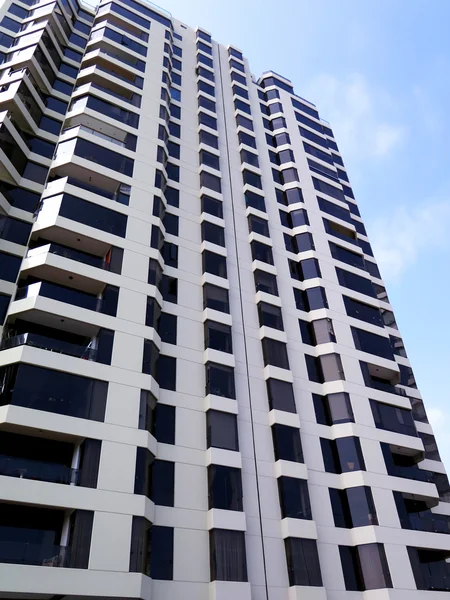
(355, 109)
(407, 233)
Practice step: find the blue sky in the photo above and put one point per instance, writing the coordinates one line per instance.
(379, 71)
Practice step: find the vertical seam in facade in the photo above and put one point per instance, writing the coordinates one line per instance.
(243, 330)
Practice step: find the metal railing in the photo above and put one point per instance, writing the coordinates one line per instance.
(28, 468)
(27, 553)
(51, 344)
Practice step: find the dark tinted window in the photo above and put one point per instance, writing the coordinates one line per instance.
(255, 201)
(152, 313)
(252, 179)
(169, 252)
(224, 488)
(35, 387)
(363, 312)
(304, 269)
(303, 562)
(353, 507)
(262, 252)
(294, 498)
(172, 196)
(171, 223)
(355, 282)
(431, 449)
(372, 343)
(286, 443)
(333, 408)
(342, 455)
(222, 430)
(161, 561)
(333, 209)
(275, 353)
(281, 395)
(210, 181)
(164, 423)
(167, 328)
(209, 139)
(218, 336)
(163, 483)
(214, 263)
(265, 282)
(212, 206)
(207, 103)
(227, 555)
(250, 158)
(310, 299)
(149, 358)
(258, 225)
(166, 374)
(93, 215)
(213, 233)
(9, 266)
(270, 316)
(207, 120)
(346, 256)
(220, 380)
(245, 138)
(4, 303)
(393, 418)
(365, 567)
(216, 298)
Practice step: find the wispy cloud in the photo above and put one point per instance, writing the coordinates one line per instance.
(355, 109)
(406, 233)
(429, 110)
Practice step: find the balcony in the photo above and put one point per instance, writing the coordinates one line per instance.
(50, 344)
(112, 70)
(66, 340)
(48, 262)
(430, 568)
(428, 521)
(33, 536)
(97, 183)
(107, 51)
(96, 128)
(60, 250)
(11, 466)
(106, 305)
(381, 378)
(37, 554)
(402, 462)
(98, 79)
(37, 458)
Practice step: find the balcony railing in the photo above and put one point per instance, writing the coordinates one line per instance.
(134, 101)
(120, 58)
(427, 521)
(121, 194)
(106, 305)
(27, 468)
(114, 74)
(386, 387)
(26, 553)
(411, 473)
(50, 344)
(103, 136)
(83, 257)
(56, 292)
(436, 576)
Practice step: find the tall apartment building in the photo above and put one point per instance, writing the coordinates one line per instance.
(204, 394)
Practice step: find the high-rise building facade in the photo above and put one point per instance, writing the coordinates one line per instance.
(204, 394)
